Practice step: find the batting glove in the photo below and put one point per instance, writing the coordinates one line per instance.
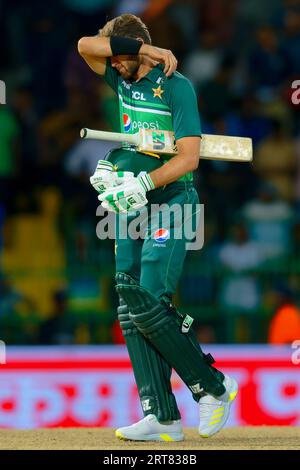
(105, 177)
(128, 197)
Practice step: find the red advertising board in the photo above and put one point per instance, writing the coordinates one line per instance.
(94, 386)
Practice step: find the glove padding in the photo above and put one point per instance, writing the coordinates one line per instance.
(127, 197)
(105, 177)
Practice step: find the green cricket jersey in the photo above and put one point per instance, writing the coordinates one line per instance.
(156, 102)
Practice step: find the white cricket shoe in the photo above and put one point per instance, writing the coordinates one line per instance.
(149, 429)
(214, 411)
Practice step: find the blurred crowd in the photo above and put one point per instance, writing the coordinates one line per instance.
(56, 277)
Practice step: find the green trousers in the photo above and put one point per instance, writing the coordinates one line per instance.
(156, 261)
(157, 336)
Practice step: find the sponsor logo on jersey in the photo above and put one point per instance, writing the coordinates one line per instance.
(161, 235)
(136, 125)
(145, 125)
(126, 122)
(137, 95)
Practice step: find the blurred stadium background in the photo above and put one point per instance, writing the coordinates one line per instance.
(56, 277)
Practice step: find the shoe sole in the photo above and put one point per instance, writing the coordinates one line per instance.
(232, 397)
(174, 437)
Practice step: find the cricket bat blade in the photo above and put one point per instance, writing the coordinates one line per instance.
(212, 147)
(223, 147)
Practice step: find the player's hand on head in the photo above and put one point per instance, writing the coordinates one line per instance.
(163, 56)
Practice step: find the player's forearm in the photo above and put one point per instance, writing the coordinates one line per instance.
(102, 46)
(185, 161)
(174, 169)
(95, 46)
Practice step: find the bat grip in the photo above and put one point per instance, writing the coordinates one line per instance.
(110, 136)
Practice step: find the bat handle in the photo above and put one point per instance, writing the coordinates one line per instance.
(110, 136)
(83, 133)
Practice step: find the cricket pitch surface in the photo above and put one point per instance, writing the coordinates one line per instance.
(242, 438)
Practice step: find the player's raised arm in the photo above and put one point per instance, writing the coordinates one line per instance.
(94, 50)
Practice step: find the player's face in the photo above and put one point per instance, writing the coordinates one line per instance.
(127, 66)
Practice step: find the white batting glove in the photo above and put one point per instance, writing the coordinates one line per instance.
(105, 177)
(129, 196)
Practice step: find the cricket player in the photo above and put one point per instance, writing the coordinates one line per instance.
(152, 95)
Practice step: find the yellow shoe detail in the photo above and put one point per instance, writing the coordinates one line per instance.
(232, 396)
(214, 422)
(217, 416)
(219, 409)
(119, 435)
(204, 435)
(166, 438)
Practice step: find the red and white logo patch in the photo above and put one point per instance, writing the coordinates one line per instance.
(161, 235)
(126, 122)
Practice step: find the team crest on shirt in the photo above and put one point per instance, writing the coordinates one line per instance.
(157, 92)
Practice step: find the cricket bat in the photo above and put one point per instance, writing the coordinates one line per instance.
(212, 147)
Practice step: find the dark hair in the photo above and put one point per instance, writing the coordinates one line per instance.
(128, 26)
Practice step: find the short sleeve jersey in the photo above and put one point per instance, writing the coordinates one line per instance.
(156, 102)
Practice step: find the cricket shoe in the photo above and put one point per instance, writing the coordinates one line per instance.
(214, 411)
(149, 429)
